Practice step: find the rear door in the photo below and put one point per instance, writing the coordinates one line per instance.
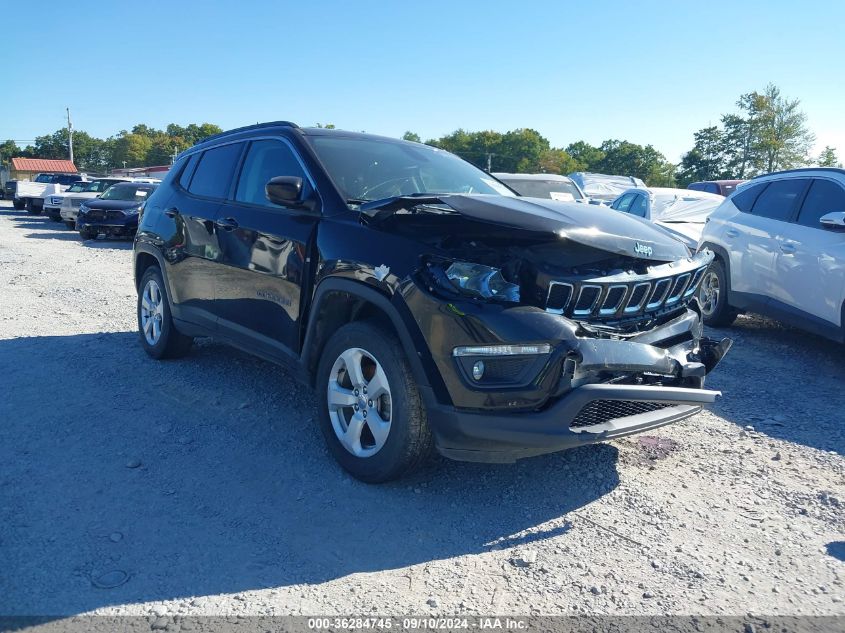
(754, 237)
(811, 259)
(202, 187)
(264, 251)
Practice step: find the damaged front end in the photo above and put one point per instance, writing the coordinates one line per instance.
(552, 326)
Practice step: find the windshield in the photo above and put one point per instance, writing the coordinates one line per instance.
(366, 169)
(100, 185)
(554, 189)
(78, 187)
(127, 192)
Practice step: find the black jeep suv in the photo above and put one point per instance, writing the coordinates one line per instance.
(426, 303)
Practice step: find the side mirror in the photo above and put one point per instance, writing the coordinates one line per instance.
(833, 221)
(287, 191)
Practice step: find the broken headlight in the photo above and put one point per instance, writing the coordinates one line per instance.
(483, 282)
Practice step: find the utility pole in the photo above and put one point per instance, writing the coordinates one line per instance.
(173, 156)
(489, 162)
(69, 134)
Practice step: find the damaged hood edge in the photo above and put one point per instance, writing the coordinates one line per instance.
(590, 225)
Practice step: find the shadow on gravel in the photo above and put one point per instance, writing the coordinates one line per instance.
(128, 480)
(784, 382)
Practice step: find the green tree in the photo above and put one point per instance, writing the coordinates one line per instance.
(827, 158)
(587, 156)
(8, 150)
(557, 161)
(706, 160)
(783, 140)
(630, 159)
(411, 136)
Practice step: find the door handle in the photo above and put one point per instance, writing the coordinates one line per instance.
(227, 224)
(731, 233)
(788, 248)
(172, 212)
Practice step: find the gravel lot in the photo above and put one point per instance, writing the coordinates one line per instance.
(202, 486)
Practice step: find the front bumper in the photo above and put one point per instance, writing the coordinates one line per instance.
(616, 410)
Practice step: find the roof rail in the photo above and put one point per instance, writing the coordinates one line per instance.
(837, 170)
(257, 126)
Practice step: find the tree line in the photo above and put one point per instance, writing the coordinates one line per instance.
(143, 146)
(767, 132)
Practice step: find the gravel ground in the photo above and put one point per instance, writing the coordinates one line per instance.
(202, 486)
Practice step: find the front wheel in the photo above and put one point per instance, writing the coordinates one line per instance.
(713, 297)
(31, 208)
(159, 337)
(370, 411)
(70, 225)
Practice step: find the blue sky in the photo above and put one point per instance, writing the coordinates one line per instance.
(649, 71)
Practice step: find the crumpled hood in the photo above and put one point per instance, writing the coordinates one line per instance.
(591, 225)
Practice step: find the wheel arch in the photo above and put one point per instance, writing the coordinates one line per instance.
(721, 255)
(339, 301)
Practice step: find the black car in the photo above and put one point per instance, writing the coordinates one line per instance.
(115, 213)
(8, 192)
(425, 306)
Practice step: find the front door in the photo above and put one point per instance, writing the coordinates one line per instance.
(811, 261)
(264, 249)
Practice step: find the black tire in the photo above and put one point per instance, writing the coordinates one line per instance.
(70, 225)
(171, 343)
(30, 207)
(18, 205)
(409, 440)
(88, 234)
(716, 313)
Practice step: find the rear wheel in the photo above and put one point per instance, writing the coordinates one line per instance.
(713, 297)
(31, 208)
(370, 411)
(18, 204)
(159, 337)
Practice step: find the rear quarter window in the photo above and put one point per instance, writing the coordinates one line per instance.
(744, 200)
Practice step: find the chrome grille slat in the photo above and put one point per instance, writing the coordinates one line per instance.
(659, 294)
(559, 295)
(633, 309)
(606, 310)
(587, 311)
(678, 288)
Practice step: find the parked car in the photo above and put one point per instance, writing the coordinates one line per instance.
(722, 187)
(30, 195)
(9, 190)
(115, 213)
(681, 212)
(780, 251)
(71, 202)
(603, 188)
(552, 186)
(424, 305)
(53, 202)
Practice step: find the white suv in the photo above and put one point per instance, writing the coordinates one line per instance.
(779, 242)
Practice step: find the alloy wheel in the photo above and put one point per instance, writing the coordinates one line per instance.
(709, 293)
(359, 402)
(152, 311)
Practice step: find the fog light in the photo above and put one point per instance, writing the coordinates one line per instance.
(478, 370)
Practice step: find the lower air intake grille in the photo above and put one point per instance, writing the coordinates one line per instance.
(601, 411)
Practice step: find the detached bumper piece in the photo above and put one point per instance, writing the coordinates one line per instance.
(588, 414)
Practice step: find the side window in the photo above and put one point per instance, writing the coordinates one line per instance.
(825, 196)
(214, 171)
(188, 172)
(266, 160)
(779, 198)
(744, 200)
(624, 203)
(639, 206)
